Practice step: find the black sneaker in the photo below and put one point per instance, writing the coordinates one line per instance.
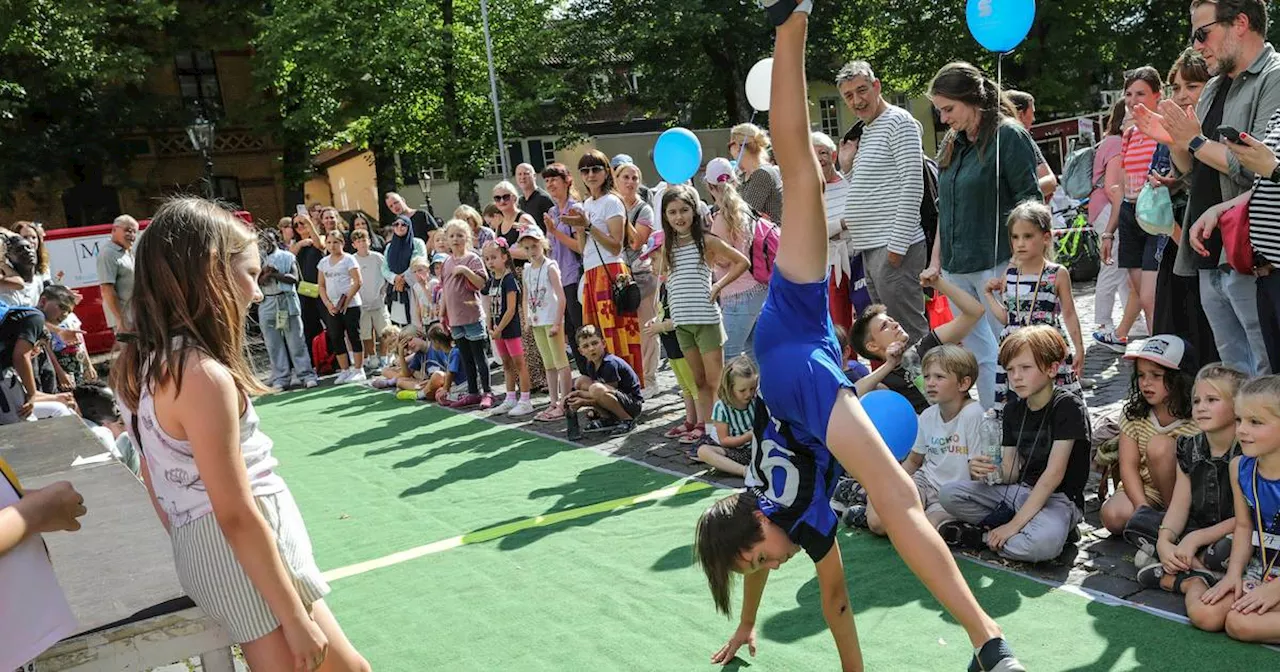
(848, 493)
(571, 419)
(779, 11)
(1143, 525)
(1149, 576)
(623, 427)
(600, 425)
(995, 656)
(959, 534)
(855, 516)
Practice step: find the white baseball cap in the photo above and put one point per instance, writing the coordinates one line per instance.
(719, 171)
(531, 231)
(1166, 350)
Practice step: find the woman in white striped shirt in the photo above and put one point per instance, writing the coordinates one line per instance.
(689, 255)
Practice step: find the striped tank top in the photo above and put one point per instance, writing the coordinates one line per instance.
(689, 286)
(1137, 153)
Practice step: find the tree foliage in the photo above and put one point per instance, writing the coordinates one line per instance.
(71, 76)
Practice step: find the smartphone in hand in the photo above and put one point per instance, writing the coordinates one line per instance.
(1230, 134)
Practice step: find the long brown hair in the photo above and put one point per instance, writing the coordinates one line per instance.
(184, 287)
(596, 157)
(965, 83)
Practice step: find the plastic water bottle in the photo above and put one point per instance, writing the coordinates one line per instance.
(911, 364)
(991, 435)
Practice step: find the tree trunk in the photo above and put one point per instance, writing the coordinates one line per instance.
(457, 155)
(384, 169)
(717, 50)
(294, 173)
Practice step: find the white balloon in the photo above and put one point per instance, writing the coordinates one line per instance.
(759, 79)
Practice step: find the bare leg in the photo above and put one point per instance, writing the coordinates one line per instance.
(714, 456)
(602, 396)
(1148, 295)
(1116, 512)
(802, 257)
(1163, 465)
(1263, 628)
(522, 369)
(1132, 308)
(701, 380)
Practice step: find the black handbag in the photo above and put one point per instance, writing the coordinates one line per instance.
(626, 293)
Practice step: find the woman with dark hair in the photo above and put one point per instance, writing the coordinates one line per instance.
(974, 198)
(1137, 253)
(361, 223)
(599, 224)
(401, 249)
(1177, 301)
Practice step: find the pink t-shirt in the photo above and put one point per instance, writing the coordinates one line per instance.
(461, 298)
(745, 282)
(1108, 149)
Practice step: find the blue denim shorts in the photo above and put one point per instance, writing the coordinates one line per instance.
(470, 332)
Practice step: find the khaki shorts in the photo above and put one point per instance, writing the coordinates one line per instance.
(928, 493)
(373, 321)
(700, 337)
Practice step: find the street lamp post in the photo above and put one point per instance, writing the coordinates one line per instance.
(201, 134)
(424, 182)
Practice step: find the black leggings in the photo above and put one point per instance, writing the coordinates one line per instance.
(475, 364)
(344, 327)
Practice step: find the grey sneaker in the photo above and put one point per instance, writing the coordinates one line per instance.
(779, 11)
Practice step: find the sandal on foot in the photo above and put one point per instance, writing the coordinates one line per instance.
(693, 437)
(678, 431)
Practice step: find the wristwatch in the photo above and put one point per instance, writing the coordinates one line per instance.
(1196, 143)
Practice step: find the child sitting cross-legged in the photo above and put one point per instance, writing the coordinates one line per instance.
(1035, 503)
(876, 335)
(733, 418)
(948, 435)
(1193, 534)
(609, 389)
(1246, 602)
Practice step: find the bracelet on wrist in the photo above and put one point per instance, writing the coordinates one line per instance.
(1108, 236)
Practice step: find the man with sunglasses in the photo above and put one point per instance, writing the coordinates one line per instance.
(1243, 94)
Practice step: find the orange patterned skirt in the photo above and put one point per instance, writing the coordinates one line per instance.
(621, 332)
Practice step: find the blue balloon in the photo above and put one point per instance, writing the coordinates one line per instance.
(677, 155)
(1000, 25)
(895, 419)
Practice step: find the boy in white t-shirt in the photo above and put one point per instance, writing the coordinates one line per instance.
(374, 316)
(34, 613)
(948, 430)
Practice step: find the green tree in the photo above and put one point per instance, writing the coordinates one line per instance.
(71, 88)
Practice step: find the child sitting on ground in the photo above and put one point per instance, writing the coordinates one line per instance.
(608, 388)
(1159, 403)
(947, 437)
(877, 336)
(1201, 513)
(1246, 602)
(409, 370)
(733, 419)
(1032, 511)
(98, 410)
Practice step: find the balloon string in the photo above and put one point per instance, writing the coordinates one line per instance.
(995, 253)
(742, 146)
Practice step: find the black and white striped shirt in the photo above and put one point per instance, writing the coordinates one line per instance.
(886, 184)
(1264, 205)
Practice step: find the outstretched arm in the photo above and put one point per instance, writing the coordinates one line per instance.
(802, 250)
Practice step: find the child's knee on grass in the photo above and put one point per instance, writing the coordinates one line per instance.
(874, 524)
(1207, 617)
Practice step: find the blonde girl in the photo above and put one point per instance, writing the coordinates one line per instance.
(544, 306)
(1246, 601)
(239, 543)
(734, 419)
(463, 276)
(741, 300)
(1034, 290)
(480, 232)
(1202, 511)
(426, 292)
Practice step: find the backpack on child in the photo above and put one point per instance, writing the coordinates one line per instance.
(324, 361)
(764, 247)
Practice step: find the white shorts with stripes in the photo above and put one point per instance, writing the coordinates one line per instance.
(215, 581)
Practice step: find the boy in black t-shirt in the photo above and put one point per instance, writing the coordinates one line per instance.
(876, 335)
(1036, 501)
(22, 329)
(609, 387)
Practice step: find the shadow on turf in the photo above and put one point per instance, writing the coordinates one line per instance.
(878, 579)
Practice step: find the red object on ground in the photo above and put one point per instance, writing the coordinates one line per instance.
(73, 261)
